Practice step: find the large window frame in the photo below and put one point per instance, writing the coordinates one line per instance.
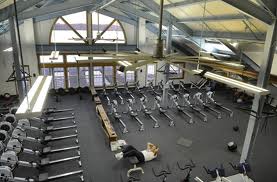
(83, 39)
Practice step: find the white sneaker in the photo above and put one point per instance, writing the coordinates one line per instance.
(119, 155)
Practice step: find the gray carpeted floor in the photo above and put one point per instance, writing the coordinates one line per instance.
(208, 146)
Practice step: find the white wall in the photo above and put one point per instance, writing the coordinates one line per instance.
(28, 52)
(257, 57)
(6, 62)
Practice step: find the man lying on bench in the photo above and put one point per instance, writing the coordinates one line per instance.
(128, 151)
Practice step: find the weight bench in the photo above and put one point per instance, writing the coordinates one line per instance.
(134, 161)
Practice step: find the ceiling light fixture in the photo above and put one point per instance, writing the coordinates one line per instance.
(234, 83)
(10, 49)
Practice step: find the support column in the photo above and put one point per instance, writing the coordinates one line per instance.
(167, 65)
(16, 57)
(90, 36)
(141, 32)
(258, 103)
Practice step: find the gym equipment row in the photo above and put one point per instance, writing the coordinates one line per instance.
(12, 134)
(218, 174)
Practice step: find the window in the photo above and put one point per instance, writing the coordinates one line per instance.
(73, 29)
(47, 72)
(130, 76)
(108, 75)
(45, 59)
(176, 72)
(72, 73)
(150, 76)
(120, 77)
(84, 76)
(98, 76)
(75, 58)
(59, 78)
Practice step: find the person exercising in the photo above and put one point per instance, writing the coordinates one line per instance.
(150, 153)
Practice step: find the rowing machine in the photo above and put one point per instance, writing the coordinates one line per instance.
(199, 102)
(49, 111)
(163, 111)
(117, 94)
(106, 94)
(174, 99)
(117, 116)
(4, 125)
(183, 86)
(21, 134)
(152, 89)
(25, 124)
(210, 99)
(53, 119)
(10, 159)
(134, 114)
(129, 92)
(4, 136)
(148, 112)
(16, 145)
(243, 169)
(9, 118)
(7, 176)
(187, 103)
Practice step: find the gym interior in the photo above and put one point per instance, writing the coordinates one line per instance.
(138, 90)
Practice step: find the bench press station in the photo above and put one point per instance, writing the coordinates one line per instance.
(186, 100)
(174, 100)
(199, 101)
(162, 111)
(117, 116)
(134, 114)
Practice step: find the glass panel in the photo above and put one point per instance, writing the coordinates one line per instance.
(150, 73)
(78, 21)
(98, 76)
(114, 34)
(84, 76)
(73, 58)
(175, 71)
(47, 72)
(120, 77)
(108, 70)
(130, 76)
(59, 78)
(62, 33)
(72, 73)
(98, 27)
(46, 59)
